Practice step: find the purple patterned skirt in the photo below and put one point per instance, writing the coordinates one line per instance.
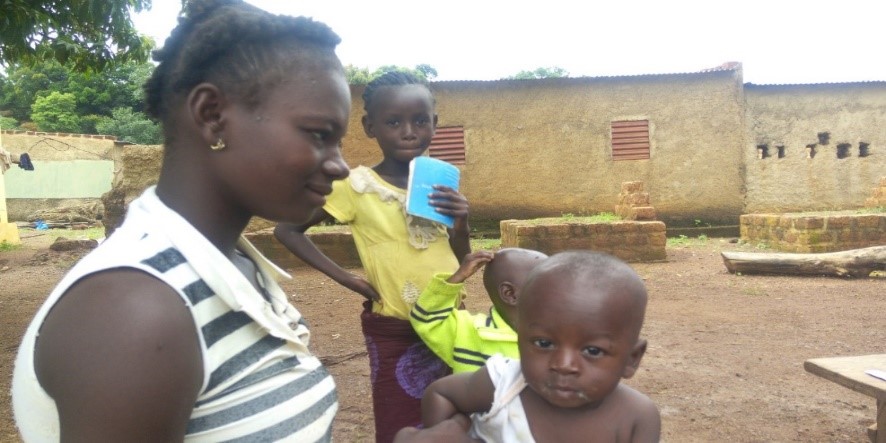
(401, 367)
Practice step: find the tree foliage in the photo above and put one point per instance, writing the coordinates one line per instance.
(89, 34)
(96, 93)
(130, 126)
(551, 72)
(8, 123)
(362, 76)
(56, 112)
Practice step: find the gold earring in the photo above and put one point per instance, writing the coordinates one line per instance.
(219, 145)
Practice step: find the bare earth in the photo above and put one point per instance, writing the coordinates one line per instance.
(725, 358)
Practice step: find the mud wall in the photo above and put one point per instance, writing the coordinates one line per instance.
(814, 147)
(543, 148)
(69, 169)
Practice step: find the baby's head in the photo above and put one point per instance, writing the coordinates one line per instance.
(504, 276)
(579, 320)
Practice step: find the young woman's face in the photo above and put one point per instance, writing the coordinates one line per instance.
(402, 120)
(283, 155)
(573, 348)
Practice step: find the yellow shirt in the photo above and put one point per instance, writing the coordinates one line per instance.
(400, 253)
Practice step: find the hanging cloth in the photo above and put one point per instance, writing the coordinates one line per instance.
(24, 162)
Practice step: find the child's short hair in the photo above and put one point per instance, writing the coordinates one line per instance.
(597, 269)
(236, 46)
(390, 78)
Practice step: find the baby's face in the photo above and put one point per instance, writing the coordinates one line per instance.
(575, 341)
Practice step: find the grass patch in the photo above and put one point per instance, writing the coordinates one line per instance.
(78, 234)
(603, 217)
(876, 210)
(683, 241)
(485, 244)
(93, 233)
(6, 246)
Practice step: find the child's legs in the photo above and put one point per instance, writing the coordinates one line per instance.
(401, 367)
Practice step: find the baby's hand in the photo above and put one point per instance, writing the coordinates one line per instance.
(454, 429)
(471, 264)
(452, 203)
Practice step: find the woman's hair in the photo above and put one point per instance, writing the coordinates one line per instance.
(243, 50)
(390, 78)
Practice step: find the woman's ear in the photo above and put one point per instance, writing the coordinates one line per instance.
(634, 359)
(206, 105)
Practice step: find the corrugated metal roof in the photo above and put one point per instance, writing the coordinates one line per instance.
(728, 67)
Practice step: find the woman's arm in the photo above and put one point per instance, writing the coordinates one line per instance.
(464, 393)
(294, 238)
(119, 354)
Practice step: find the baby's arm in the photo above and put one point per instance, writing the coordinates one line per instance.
(464, 393)
(451, 202)
(648, 426)
(294, 238)
(470, 265)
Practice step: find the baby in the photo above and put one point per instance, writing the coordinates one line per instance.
(464, 340)
(579, 320)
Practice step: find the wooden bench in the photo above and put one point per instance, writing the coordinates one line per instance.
(850, 372)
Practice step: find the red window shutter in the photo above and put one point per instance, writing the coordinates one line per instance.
(630, 140)
(448, 145)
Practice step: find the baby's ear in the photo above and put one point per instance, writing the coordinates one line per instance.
(634, 359)
(507, 292)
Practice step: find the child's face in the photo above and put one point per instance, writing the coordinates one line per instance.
(402, 120)
(283, 155)
(576, 341)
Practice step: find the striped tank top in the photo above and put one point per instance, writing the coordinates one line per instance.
(260, 381)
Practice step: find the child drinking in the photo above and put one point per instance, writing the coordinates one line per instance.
(579, 320)
(464, 340)
(399, 253)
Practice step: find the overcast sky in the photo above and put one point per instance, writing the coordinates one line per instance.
(777, 41)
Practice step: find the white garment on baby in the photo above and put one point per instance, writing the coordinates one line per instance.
(506, 421)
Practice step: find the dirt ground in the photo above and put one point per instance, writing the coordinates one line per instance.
(725, 358)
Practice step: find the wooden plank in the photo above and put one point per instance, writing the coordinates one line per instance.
(849, 372)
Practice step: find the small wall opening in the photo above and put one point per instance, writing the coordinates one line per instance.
(762, 151)
(780, 150)
(843, 150)
(864, 149)
(824, 138)
(810, 151)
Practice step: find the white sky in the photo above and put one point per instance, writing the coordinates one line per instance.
(777, 41)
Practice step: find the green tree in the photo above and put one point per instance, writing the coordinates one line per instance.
(357, 76)
(427, 70)
(131, 126)
(88, 33)
(552, 72)
(57, 112)
(362, 76)
(8, 123)
(97, 93)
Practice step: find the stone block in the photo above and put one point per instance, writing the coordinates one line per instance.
(809, 222)
(644, 213)
(624, 226)
(636, 186)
